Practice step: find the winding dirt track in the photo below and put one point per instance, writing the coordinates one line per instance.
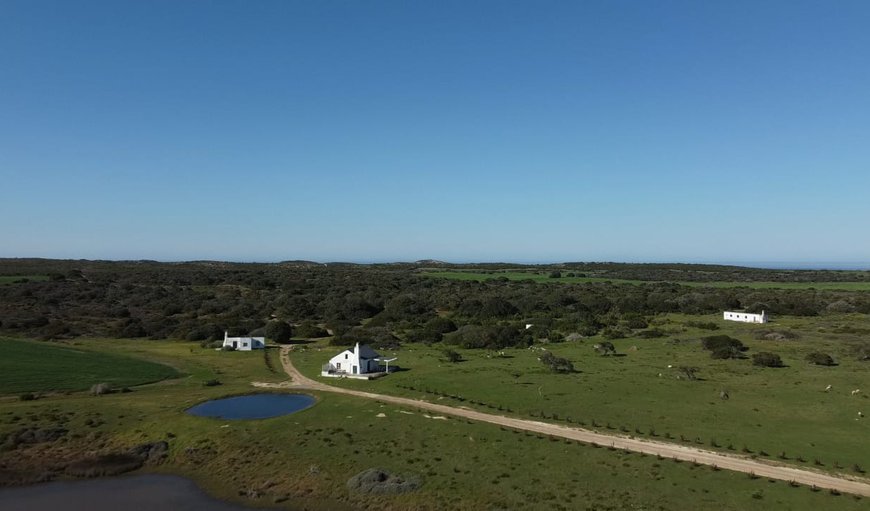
(664, 449)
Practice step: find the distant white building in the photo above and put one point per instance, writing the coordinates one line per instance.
(745, 317)
(361, 360)
(244, 343)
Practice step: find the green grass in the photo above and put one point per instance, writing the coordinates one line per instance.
(10, 279)
(464, 465)
(34, 366)
(771, 410)
(543, 277)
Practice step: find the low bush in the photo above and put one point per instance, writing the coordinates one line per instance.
(767, 359)
(723, 347)
(820, 359)
(704, 325)
(556, 364)
(452, 356)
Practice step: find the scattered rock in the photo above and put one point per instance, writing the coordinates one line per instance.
(101, 388)
(377, 481)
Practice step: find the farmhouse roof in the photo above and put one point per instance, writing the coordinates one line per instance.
(365, 351)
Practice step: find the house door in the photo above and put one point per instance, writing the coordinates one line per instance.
(235, 344)
(354, 369)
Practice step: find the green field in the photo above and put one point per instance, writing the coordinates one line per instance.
(10, 279)
(34, 366)
(776, 411)
(544, 277)
(308, 456)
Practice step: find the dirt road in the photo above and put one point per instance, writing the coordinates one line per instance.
(664, 449)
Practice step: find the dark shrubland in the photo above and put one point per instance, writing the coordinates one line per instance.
(767, 359)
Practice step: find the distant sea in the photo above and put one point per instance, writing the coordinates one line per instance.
(782, 265)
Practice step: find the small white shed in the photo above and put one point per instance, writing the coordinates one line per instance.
(244, 343)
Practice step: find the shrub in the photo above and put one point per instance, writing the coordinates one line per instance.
(452, 356)
(723, 346)
(637, 323)
(556, 364)
(613, 332)
(309, 330)
(211, 383)
(605, 348)
(440, 325)
(708, 325)
(27, 396)
(767, 359)
(424, 336)
(820, 359)
(652, 333)
(776, 335)
(714, 342)
(688, 372)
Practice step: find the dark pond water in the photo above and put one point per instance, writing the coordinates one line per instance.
(254, 406)
(135, 493)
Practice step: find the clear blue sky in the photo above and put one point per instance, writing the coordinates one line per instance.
(455, 130)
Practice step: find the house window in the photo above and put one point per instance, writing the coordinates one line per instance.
(345, 356)
(244, 345)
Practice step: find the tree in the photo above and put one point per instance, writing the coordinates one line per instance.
(556, 364)
(767, 359)
(279, 331)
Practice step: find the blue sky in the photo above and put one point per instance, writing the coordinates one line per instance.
(455, 130)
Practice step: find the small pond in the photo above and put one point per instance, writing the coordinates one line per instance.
(136, 493)
(253, 406)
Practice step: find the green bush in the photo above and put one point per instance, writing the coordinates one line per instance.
(723, 347)
(556, 364)
(279, 331)
(704, 325)
(820, 359)
(309, 330)
(452, 356)
(767, 359)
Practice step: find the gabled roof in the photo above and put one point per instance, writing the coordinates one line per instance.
(365, 351)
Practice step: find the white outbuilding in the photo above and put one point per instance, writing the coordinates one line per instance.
(244, 343)
(745, 317)
(361, 360)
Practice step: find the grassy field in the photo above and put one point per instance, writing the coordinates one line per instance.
(781, 412)
(463, 465)
(10, 279)
(544, 277)
(33, 366)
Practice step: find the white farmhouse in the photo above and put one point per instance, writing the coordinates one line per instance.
(361, 360)
(745, 317)
(244, 343)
